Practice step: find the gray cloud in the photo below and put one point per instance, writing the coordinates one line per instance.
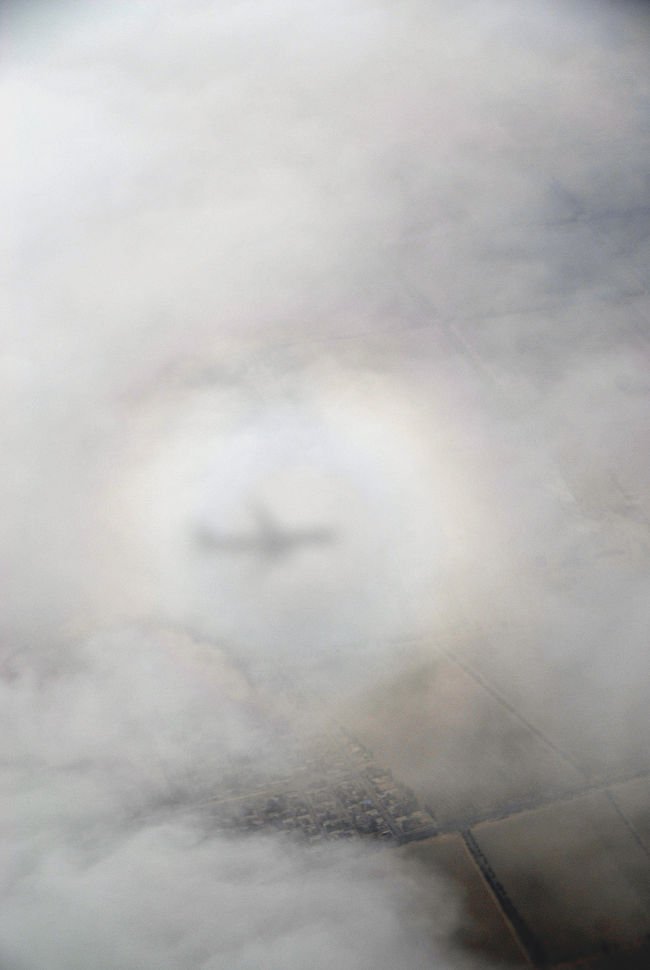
(164, 898)
(96, 756)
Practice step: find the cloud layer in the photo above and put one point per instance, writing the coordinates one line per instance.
(373, 267)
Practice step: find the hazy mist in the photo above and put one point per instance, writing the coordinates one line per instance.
(377, 269)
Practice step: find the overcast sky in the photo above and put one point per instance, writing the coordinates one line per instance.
(373, 267)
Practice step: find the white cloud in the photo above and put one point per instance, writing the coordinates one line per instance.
(378, 267)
